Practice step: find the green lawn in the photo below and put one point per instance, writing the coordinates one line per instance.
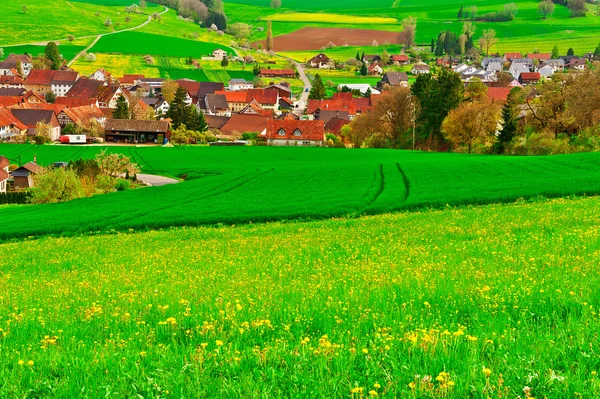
(68, 51)
(458, 303)
(232, 185)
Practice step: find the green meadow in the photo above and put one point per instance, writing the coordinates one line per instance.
(68, 51)
(57, 19)
(498, 301)
(234, 185)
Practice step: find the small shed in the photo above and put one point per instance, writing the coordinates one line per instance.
(136, 131)
(23, 176)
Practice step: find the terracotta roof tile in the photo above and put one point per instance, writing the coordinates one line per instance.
(309, 130)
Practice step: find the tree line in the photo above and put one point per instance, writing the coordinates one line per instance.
(207, 12)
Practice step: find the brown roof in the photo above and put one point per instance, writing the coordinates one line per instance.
(216, 102)
(11, 80)
(31, 167)
(278, 72)
(400, 58)
(64, 77)
(499, 94)
(3, 175)
(85, 88)
(7, 119)
(190, 85)
(132, 125)
(84, 113)
(30, 117)
(244, 123)
(216, 121)
(335, 125)
(543, 56)
(319, 59)
(12, 92)
(286, 129)
(40, 77)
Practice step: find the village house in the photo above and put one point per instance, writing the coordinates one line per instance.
(31, 117)
(576, 64)
(335, 125)
(418, 69)
(340, 102)
(219, 54)
(283, 90)
(107, 95)
(81, 116)
(375, 69)
(498, 94)
(393, 79)
(238, 100)
(493, 64)
(545, 70)
(216, 104)
(204, 89)
(136, 131)
(539, 56)
(278, 73)
(516, 69)
(254, 108)
(364, 88)
(129, 80)
(23, 176)
(558, 65)
(62, 82)
(320, 61)
(401, 59)
(326, 116)
(285, 105)
(40, 81)
(239, 84)
(11, 81)
(4, 175)
(9, 125)
(286, 132)
(526, 78)
(159, 104)
(11, 63)
(370, 58)
(101, 75)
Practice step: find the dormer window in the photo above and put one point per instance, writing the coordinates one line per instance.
(297, 133)
(281, 132)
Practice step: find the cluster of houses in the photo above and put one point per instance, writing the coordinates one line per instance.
(21, 177)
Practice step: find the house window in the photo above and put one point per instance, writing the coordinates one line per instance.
(281, 132)
(297, 133)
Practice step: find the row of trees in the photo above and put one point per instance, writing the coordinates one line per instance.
(508, 13)
(208, 12)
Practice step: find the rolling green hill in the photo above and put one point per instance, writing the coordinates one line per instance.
(258, 184)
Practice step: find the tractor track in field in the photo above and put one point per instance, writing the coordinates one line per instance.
(379, 190)
(406, 182)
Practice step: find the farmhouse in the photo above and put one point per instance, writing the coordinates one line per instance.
(420, 69)
(335, 125)
(136, 131)
(393, 79)
(375, 69)
(101, 75)
(539, 57)
(216, 104)
(529, 77)
(284, 132)
(81, 116)
(238, 100)
(511, 56)
(219, 54)
(31, 117)
(401, 59)
(558, 65)
(9, 125)
(129, 80)
(320, 61)
(11, 81)
(11, 63)
(277, 73)
(159, 104)
(576, 64)
(239, 84)
(23, 176)
(62, 82)
(284, 91)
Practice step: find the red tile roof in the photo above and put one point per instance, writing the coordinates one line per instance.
(498, 94)
(72, 102)
(335, 125)
(530, 76)
(331, 105)
(543, 56)
(512, 56)
(244, 123)
(3, 175)
(40, 77)
(129, 79)
(262, 96)
(85, 88)
(400, 58)
(190, 85)
(11, 80)
(4, 162)
(7, 119)
(277, 72)
(9, 101)
(309, 130)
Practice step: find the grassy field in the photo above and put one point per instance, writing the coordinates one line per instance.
(68, 51)
(232, 185)
(327, 18)
(526, 33)
(486, 302)
(58, 19)
(145, 43)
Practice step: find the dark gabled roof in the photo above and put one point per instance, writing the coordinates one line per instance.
(31, 117)
(216, 101)
(209, 88)
(326, 116)
(244, 123)
(394, 78)
(335, 125)
(151, 101)
(132, 125)
(12, 92)
(29, 167)
(216, 121)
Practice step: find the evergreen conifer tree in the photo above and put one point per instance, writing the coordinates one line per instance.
(122, 110)
(317, 92)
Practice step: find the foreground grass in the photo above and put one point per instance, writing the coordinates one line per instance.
(457, 303)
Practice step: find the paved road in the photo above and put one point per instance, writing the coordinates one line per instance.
(85, 50)
(303, 100)
(155, 181)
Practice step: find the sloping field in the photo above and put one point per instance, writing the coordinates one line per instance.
(328, 18)
(456, 303)
(317, 38)
(258, 184)
(146, 43)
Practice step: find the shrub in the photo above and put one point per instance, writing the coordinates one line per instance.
(56, 185)
(123, 184)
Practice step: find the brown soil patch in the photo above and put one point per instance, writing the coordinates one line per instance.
(317, 38)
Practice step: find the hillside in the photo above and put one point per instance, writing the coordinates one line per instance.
(258, 184)
(451, 303)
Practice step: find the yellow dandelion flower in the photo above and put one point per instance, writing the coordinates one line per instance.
(373, 393)
(21, 362)
(487, 372)
(376, 385)
(219, 342)
(365, 351)
(412, 385)
(30, 363)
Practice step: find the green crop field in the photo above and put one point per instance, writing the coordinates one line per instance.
(57, 19)
(146, 43)
(487, 302)
(232, 185)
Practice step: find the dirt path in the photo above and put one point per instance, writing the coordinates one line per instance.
(155, 180)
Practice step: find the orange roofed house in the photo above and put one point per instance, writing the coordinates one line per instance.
(289, 132)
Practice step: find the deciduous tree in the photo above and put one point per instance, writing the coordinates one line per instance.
(471, 123)
(56, 185)
(488, 40)
(269, 41)
(545, 8)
